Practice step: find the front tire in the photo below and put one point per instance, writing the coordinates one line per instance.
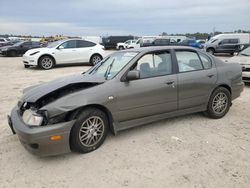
(219, 103)
(96, 58)
(89, 131)
(13, 53)
(121, 48)
(26, 66)
(210, 51)
(46, 62)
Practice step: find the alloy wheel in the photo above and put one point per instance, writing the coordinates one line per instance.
(47, 63)
(91, 131)
(96, 59)
(220, 103)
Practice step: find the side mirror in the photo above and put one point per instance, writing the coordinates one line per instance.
(219, 43)
(60, 47)
(133, 75)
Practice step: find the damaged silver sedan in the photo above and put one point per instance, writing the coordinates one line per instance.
(126, 89)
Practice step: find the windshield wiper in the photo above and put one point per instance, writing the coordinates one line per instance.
(106, 74)
(95, 68)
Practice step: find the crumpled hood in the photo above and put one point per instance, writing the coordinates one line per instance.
(34, 93)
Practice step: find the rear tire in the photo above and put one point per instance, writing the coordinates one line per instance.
(219, 103)
(89, 131)
(96, 58)
(46, 62)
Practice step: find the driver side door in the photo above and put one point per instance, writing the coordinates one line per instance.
(66, 52)
(224, 46)
(155, 92)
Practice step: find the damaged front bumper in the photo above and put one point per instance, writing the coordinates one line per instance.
(38, 140)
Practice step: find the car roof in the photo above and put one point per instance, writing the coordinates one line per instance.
(155, 48)
(65, 40)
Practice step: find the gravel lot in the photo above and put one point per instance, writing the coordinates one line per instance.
(188, 151)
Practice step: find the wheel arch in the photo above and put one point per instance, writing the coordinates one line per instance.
(95, 54)
(216, 87)
(73, 114)
(225, 86)
(212, 48)
(38, 60)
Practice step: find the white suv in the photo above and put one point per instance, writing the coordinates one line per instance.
(64, 52)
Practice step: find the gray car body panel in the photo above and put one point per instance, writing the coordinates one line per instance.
(141, 101)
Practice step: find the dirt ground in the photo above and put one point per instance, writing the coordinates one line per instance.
(187, 151)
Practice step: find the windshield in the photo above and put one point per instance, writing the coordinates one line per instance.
(212, 40)
(109, 67)
(18, 44)
(245, 52)
(54, 44)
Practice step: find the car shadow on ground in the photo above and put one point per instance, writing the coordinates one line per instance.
(61, 66)
(155, 126)
(247, 84)
(223, 55)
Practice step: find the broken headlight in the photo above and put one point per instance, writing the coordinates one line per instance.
(32, 118)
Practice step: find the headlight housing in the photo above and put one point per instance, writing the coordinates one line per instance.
(31, 118)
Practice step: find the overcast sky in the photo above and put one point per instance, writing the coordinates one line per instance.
(116, 17)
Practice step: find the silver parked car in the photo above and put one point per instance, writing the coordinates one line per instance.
(243, 58)
(126, 89)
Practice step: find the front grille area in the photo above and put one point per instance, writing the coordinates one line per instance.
(245, 69)
(246, 78)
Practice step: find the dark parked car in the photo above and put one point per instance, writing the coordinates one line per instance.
(19, 48)
(111, 41)
(230, 46)
(126, 89)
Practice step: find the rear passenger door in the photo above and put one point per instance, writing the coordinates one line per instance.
(234, 45)
(196, 78)
(83, 50)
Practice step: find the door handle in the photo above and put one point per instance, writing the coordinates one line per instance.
(73, 50)
(210, 75)
(170, 83)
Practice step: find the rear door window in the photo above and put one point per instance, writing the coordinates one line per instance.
(188, 61)
(233, 41)
(84, 44)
